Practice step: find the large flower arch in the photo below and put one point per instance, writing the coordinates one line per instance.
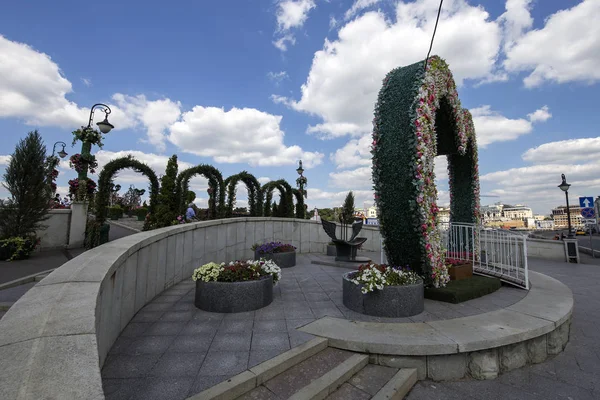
(417, 117)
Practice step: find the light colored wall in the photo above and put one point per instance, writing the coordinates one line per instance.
(56, 233)
(549, 249)
(72, 317)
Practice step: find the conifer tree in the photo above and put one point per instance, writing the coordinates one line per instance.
(26, 180)
(348, 208)
(168, 206)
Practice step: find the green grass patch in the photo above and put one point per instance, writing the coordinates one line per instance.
(463, 290)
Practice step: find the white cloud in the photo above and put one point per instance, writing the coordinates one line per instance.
(536, 184)
(277, 77)
(263, 179)
(491, 126)
(359, 178)
(87, 82)
(4, 160)
(541, 115)
(566, 49)
(515, 21)
(358, 6)
(239, 135)
(156, 116)
(324, 199)
(291, 14)
(357, 152)
(367, 48)
(126, 177)
(33, 88)
(565, 151)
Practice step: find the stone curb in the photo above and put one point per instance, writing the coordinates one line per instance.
(257, 375)
(120, 225)
(588, 251)
(25, 279)
(548, 305)
(5, 305)
(397, 387)
(320, 388)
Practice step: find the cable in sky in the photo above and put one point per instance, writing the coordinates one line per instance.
(434, 29)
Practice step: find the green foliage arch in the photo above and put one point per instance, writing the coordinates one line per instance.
(418, 116)
(215, 183)
(254, 193)
(106, 177)
(285, 207)
(300, 208)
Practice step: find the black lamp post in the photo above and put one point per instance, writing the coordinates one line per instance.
(104, 127)
(301, 181)
(62, 153)
(564, 186)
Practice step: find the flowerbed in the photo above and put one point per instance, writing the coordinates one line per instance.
(235, 287)
(383, 291)
(237, 271)
(284, 255)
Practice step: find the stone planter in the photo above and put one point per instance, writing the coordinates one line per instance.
(283, 260)
(462, 271)
(331, 250)
(392, 301)
(233, 297)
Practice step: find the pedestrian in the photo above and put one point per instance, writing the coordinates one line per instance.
(190, 214)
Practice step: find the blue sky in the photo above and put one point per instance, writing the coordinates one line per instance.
(257, 85)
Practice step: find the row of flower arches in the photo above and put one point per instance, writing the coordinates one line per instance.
(221, 192)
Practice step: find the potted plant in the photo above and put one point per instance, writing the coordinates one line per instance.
(331, 249)
(235, 287)
(459, 269)
(141, 213)
(115, 212)
(284, 255)
(383, 291)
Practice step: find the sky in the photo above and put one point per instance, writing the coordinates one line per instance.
(257, 85)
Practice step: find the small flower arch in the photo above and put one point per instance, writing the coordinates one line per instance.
(215, 182)
(254, 193)
(418, 116)
(285, 190)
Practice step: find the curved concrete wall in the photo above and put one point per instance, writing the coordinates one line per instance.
(54, 340)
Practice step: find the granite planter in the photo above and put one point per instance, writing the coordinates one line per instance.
(233, 297)
(283, 260)
(462, 271)
(392, 301)
(331, 250)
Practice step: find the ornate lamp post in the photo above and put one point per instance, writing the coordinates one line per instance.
(564, 186)
(86, 146)
(62, 153)
(301, 181)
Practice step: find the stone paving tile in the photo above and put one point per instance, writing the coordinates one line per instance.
(191, 344)
(165, 328)
(259, 393)
(235, 326)
(163, 388)
(224, 363)
(120, 389)
(239, 341)
(203, 382)
(178, 316)
(259, 356)
(129, 366)
(149, 345)
(276, 325)
(372, 378)
(147, 316)
(196, 327)
(270, 341)
(178, 364)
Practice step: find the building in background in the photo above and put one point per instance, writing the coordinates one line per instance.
(444, 215)
(518, 212)
(559, 215)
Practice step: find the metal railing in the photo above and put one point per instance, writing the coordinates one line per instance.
(493, 252)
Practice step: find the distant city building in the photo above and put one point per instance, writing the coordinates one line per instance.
(559, 215)
(492, 213)
(539, 217)
(518, 212)
(444, 215)
(544, 224)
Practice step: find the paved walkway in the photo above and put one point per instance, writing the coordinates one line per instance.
(171, 350)
(573, 374)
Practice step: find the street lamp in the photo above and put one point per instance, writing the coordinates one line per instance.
(104, 127)
(564, 186)
(301, 181)
(62, 153)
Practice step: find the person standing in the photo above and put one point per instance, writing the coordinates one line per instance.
(190, 214)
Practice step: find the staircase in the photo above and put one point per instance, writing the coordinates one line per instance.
(315, 371)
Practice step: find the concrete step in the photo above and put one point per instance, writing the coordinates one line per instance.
(40, 277)
(315, 371)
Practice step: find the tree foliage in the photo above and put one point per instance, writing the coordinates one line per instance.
(26, 179)
(216, 201)
(168, 204)
(347, 215)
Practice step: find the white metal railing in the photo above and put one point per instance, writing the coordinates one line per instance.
(493, 252)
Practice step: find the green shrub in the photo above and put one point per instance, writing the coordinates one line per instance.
(115, 212)
(464, 289)
(18, 248)
(141, 212)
